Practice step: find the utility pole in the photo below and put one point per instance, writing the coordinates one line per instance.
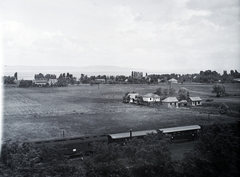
(209, 117)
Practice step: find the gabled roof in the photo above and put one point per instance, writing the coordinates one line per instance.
(151, 95)
(196, 98)
(183, 101)
(172, 80)
(133, 93)
(170, 100)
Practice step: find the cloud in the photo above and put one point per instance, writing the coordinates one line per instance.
(145, 34)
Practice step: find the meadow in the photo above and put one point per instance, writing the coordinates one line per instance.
(43, 113)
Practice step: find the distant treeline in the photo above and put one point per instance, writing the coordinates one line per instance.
(207, 76)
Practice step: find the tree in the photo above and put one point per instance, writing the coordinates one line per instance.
(159, 91)
(139, 100)
(26, 160)
(16, 75)
(126, 98)
(149, 157)
(106, 161)
(165, 93)
(223, 109)
(171, 91)
(143, 157)
(183, 94)
(216, 154)
(219, 89)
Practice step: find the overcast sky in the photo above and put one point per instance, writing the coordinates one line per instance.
(158, 35)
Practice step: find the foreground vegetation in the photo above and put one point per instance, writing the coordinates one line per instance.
(216, 153)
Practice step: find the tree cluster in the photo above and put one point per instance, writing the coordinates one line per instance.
(209, 76)
(10, 79)
(138, 157)
(25, 160)
(219, 90)
(216, 153)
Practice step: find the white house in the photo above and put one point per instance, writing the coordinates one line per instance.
(132, 96)
(52, 81)
(195, 101)
(170, 102)
(150, 97)
(40, 82)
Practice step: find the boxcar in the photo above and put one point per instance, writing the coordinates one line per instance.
(74, 145)
(121, 137)
(181, 133)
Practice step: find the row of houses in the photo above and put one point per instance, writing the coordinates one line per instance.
(44, 81)
(169, 102)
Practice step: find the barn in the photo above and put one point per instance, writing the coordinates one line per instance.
(170, 102)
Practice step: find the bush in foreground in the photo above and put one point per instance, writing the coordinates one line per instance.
(25, 160)
(138, 157)
(215, 154)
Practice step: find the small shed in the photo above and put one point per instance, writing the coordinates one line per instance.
(170, 102)
(150, 97)
(195, 101)
(182, 103)
(132, 96)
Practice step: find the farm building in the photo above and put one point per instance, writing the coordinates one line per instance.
(150, 97)
(182, 103)
(195, 101)
(173, 81)
(52, 81)
(170, 102)
(40, 82)
(133, 96)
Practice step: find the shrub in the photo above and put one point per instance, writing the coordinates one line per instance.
(26, 160)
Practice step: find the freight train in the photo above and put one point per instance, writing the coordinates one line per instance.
(84, 144)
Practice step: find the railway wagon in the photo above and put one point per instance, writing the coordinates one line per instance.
(190, 132)
(74, 145)
(121, 137)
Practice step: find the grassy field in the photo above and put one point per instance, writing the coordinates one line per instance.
(43, 113)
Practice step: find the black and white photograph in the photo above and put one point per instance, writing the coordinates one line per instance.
(120, 88)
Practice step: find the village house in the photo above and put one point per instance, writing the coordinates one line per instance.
(150, 97)
(170, 102)
(173, 81)
(132, 96)
(52, 81)
(100, 81)
(40, 82)
(195, 101)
